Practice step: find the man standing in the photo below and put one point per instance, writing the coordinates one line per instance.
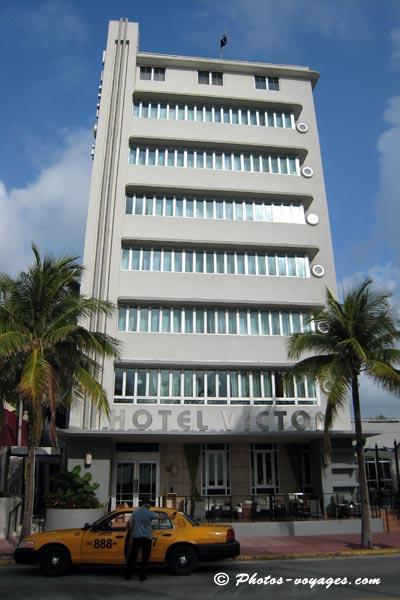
(139, 538)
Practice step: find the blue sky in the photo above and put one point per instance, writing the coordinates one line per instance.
(50, 61)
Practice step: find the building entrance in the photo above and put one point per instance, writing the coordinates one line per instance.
(136, 481)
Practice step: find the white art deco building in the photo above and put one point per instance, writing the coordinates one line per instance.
(208, 228)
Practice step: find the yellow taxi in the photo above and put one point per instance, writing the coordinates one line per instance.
(180, 543)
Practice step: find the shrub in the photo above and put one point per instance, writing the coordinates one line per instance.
(73, 491)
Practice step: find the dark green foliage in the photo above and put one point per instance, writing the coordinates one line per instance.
(73, 491)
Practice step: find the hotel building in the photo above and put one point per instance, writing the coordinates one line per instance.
(208, 228)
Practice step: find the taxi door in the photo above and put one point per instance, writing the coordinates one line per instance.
(163, 535)
(105, 544)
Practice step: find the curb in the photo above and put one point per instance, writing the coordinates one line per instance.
(298, 555)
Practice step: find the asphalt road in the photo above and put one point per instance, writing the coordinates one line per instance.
(349, 578)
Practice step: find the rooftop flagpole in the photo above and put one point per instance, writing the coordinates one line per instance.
(221, 45)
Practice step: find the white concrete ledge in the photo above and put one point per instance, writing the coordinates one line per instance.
(295, 528)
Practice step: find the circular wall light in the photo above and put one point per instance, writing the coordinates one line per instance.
(302, 127)
(312, 219)
(317, 270)
(307, 172)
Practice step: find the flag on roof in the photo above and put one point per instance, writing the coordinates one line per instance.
(223, 41)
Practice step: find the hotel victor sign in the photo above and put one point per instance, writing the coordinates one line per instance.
(214, 419)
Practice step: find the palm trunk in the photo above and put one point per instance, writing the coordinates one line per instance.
(366, 534)
(29, 492)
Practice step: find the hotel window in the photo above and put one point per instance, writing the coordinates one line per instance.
(273, 83)
(382, 466)
(215, 470)
(211, 387)
(264, 469)
(210, 159)
(210, 77)
(266, 83)
(210, 262)
(236, 115)
(152, 73)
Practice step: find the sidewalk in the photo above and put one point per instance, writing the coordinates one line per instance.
(7, 549)
(269, 547)
(316, 545)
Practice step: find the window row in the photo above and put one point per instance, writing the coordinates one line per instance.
(223, 321)
(211, 386)
(213, 114)
(180, 260)
(210, 78)
(210, 159)
(215, 208)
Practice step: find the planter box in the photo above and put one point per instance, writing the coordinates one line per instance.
(70, 518)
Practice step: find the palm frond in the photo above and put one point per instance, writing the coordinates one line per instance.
(384, 375)
(300, 343)
(13, 343)
(91, 388)
(34, 378)
(43, 339)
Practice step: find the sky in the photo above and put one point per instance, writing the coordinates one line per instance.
(50, 64)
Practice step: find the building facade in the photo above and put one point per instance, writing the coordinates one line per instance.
(382, 460)
(208, 228)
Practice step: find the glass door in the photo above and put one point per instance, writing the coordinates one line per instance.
(126, 484)
(136, 481)
(147, 488)
(264, 469)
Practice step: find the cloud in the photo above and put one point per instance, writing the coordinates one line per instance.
(50, 211)
(385, 277)
(265, 25)
(386, 209)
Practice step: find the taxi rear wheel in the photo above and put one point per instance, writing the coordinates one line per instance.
(182, 560)
(55, 561)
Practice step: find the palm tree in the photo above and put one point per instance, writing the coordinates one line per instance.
(47, 349)
(355, 337)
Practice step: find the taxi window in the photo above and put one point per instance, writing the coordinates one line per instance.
(117, 523)
(162, 524)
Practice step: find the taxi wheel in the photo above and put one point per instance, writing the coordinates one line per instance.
(55, 561)
(182, 560)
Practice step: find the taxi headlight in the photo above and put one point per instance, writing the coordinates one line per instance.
(26, 544)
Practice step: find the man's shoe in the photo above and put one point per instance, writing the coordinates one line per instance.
(127, 576)
(142, 577)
